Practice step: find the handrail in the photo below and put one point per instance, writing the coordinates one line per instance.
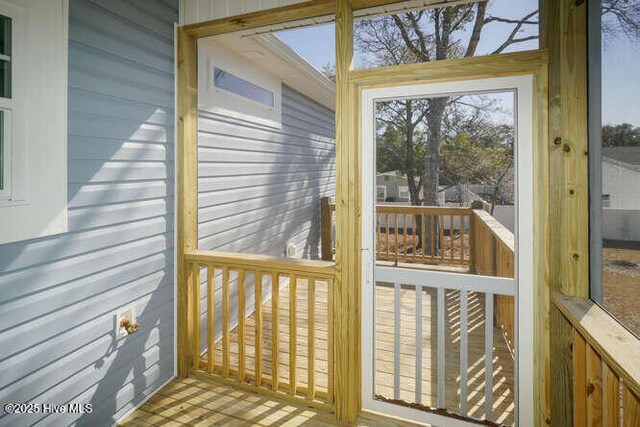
(500, 232)
(319, 269)
(418, 210)
(493, 246)
(618, 347)
(412, 234)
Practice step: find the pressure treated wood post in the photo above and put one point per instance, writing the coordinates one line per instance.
(564, 34)
(187, 194)
(472, 243)
(347, 284)
(326, 239)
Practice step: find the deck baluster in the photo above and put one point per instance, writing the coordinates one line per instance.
(275, 296)
(464, 354)
(211, 318)
(293, 336)
(225, 322)
(258, 325)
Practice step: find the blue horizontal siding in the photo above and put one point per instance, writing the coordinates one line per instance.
(58, 294)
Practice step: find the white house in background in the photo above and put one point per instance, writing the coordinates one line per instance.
(621, 193)
(620, 177)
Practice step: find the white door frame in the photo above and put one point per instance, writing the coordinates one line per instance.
(523, 267)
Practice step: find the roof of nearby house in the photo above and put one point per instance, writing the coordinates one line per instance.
(273, 55)
(628, 157)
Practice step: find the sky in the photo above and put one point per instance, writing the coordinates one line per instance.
(621, 58)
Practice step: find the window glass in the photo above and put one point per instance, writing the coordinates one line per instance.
(465, 30)
(234, 84)
(615, 138)
(5, 57)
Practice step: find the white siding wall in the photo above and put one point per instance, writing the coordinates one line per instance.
(622, 184)
(206, 10)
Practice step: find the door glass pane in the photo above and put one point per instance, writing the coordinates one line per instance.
(447, 163)
(618, 219)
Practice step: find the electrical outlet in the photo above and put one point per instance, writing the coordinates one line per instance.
(125, 313)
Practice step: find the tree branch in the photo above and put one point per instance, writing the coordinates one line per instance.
(512, 37)
(477, 29)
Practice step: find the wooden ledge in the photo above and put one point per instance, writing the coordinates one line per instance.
(618, 347)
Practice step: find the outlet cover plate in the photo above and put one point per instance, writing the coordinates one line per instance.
(124, 313)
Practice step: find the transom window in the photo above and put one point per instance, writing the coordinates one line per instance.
(234, 84)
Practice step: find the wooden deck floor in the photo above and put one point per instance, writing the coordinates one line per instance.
(196, 402)
(503, 367)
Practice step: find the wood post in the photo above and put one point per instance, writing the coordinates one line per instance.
(348, 228)
(326, 224)
(564, 34)
(472, 243)
(187, 194)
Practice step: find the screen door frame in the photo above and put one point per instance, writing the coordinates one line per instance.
(523, 86)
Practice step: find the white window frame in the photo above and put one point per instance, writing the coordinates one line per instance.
(7, 104)
(35, 203)
(213, 99)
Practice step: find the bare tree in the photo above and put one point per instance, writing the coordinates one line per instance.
(621, 18)
(430, 35)
(425, 36)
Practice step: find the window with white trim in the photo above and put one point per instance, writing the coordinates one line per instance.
(33, 119)
(231, 85)
(381, 193)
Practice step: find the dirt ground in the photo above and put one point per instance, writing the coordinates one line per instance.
(621, 285)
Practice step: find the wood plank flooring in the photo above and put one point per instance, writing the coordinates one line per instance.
(197, 402)
(503, 367)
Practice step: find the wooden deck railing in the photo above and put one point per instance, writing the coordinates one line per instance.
(445, 236)
(412, 234)
(219, 274)
(604, 363)
(493, 255)
(423, 234)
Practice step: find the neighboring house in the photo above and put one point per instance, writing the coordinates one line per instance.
(393, 187)
(621, 193)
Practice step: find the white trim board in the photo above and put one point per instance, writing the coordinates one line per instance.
(522, 86)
